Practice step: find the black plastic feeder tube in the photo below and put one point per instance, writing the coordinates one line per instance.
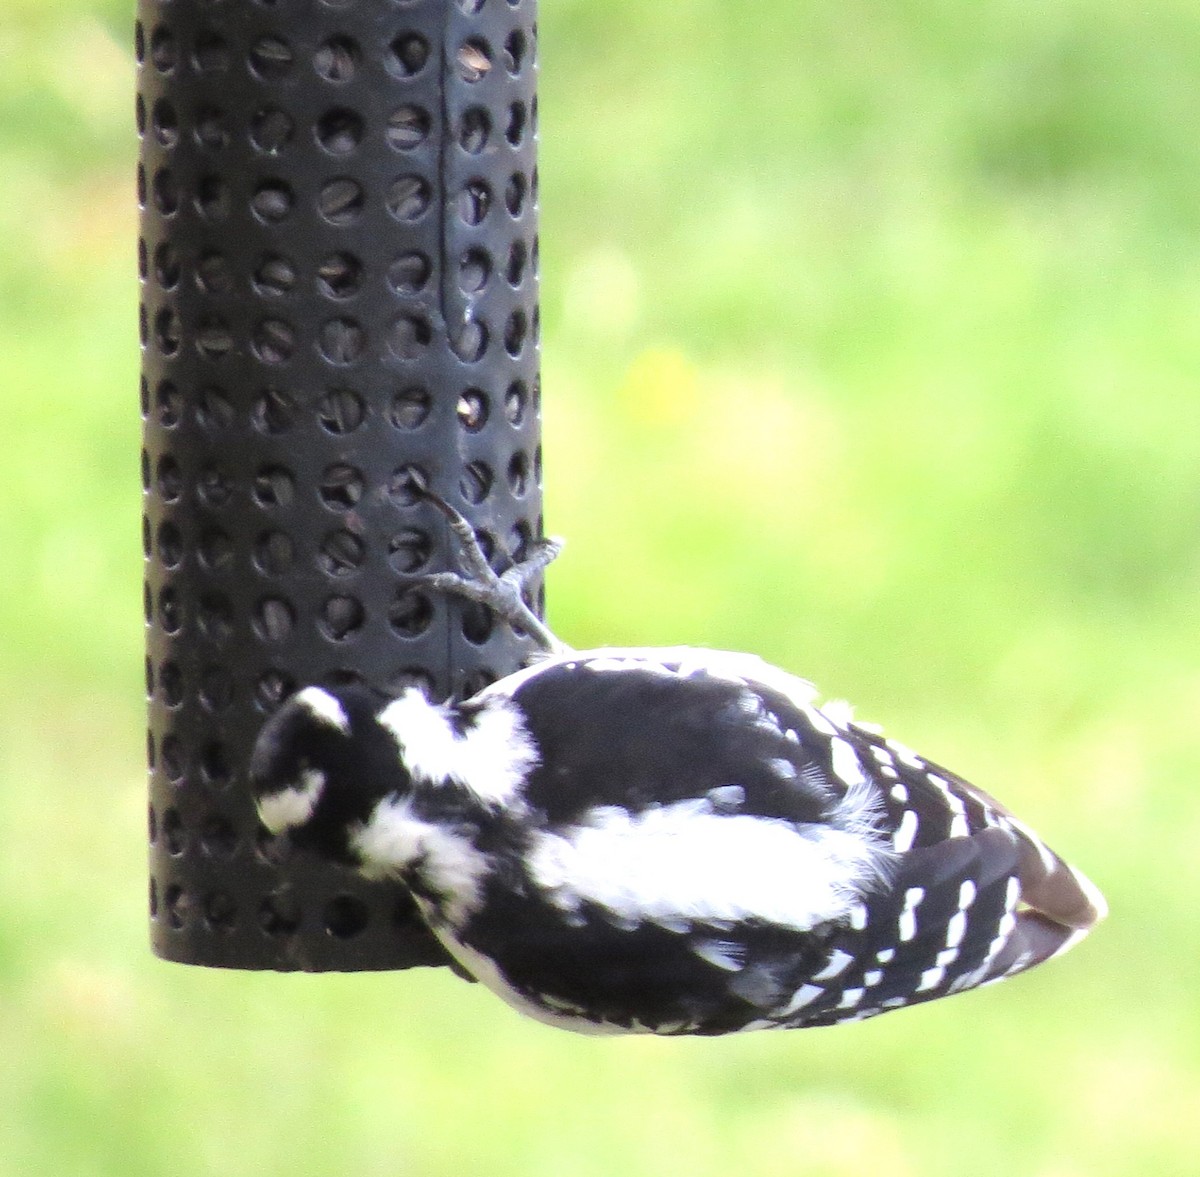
(338, 259)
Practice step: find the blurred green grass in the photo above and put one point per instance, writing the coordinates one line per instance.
(871, 345)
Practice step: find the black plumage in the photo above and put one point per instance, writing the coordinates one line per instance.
(643, 752)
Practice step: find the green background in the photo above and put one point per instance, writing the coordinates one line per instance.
(871, 334)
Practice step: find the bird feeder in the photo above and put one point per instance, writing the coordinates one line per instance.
(338, 257)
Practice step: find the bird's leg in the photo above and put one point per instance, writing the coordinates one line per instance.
(503, 593)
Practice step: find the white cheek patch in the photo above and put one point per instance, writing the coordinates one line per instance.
(395, 839)
(676, 863)
(294, 805)
(492, 756)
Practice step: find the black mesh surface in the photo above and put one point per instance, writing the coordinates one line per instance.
(338, 255)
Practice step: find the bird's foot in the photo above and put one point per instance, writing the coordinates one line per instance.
(502, 592)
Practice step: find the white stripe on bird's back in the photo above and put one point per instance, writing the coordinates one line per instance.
(681, 863)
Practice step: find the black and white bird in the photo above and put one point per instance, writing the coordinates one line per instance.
(670, 841)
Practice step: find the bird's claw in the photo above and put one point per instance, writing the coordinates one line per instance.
(504, 592)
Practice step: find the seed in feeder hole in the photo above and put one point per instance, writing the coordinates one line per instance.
(473, 62)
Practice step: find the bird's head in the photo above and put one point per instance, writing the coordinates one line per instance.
(320, 765)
